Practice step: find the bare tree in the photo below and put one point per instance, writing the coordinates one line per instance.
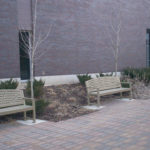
(32, 43)
(112, 30)
(114, 34)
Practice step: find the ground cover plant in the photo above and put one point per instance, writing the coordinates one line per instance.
(83, 78)
(9, 84)
(142, 74)
(38, 88)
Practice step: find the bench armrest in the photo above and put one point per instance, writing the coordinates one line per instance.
(32, 100)
(92, 89)
(129, 83)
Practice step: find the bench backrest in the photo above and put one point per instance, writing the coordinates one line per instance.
(103, 83)
(11, 98)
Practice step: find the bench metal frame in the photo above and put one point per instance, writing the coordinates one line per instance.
(103, 86)
(13, 101)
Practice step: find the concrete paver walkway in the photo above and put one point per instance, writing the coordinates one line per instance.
(122, 126)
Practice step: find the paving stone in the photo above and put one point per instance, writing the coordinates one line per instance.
(122, 126)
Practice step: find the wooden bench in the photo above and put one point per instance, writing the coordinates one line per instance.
(13, 101)
(103, 86)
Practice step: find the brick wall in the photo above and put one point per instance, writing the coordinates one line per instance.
(79, 43)
(9, 52)
(24, 14)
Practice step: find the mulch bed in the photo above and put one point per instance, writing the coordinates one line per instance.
(141, 91)
(66, 102)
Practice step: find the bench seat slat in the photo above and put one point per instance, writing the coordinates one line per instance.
(103, 83)
(15, 109)
(111, 91)
(11, 98)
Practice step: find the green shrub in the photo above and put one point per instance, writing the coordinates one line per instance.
(100, 75)
(130, 72)
(84, 78)
(142, 74)
(40, 106)
(10, 84)
(125, 85)
(104, 75)
(38, 87)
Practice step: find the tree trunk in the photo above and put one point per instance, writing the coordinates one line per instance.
(31, 78)
(116, 59)
(116, 65)
(31, 84)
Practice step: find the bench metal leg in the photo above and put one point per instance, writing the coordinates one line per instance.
(25, 115)
(131, 94)
(88, 97)
(98, 99)
(121, 94)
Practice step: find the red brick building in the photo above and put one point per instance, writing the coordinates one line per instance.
(78, 41)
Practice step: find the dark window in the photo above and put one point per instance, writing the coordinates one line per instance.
(24, 57)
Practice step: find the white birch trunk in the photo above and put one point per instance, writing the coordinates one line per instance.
(115, 39)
